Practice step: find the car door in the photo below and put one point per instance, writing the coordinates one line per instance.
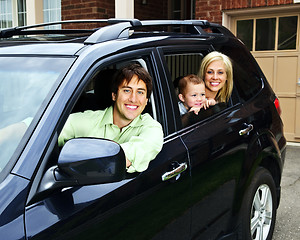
(215, 147)
(217, 152)
(142, 206)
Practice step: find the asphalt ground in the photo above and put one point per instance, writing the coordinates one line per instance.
(287, 225)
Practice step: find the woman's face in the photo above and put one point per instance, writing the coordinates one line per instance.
(215, 76)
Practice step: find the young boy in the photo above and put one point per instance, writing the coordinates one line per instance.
(192, 94)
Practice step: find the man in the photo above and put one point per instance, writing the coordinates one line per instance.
(140, 136)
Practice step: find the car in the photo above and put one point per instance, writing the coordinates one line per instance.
(217, 176)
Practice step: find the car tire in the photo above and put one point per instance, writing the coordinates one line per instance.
(258, 211)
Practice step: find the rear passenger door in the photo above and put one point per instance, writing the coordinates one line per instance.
(215, 148)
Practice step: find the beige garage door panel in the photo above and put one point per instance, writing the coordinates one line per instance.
(297, 134)
(286, 75)
(267, 64)
(288, 106)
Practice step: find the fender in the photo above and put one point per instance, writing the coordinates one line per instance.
(263, 150)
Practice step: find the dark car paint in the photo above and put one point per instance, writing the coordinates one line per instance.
(160, 207)
(13, 192)
(144, 197)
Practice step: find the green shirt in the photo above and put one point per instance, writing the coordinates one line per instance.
(141, 140)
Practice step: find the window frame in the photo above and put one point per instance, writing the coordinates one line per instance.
(52, 12)
(7, 16)
(269, 16)
(147, 55)
(18, 17)
(185, 50)
(235, 100)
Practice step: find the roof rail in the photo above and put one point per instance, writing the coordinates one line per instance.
(24, 30)
(117, 28)
(122, 29)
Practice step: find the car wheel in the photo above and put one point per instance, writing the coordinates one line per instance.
(258, 212)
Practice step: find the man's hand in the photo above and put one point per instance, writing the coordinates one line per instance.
(128, 163)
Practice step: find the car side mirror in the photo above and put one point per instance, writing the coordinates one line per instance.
(85, 161)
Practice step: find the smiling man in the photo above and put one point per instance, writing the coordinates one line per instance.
(140, 136)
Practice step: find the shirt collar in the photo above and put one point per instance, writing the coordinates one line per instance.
(108, 118)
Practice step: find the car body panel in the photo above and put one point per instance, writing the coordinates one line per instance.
(13, 192)
(144, 197)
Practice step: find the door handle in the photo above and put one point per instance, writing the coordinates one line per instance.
(175, 172)
(247, 130)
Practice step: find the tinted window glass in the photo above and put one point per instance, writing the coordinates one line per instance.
(265, 34)
(246, 74)
(281, 31)
(247, 83)
(287, 33)
(245, 32)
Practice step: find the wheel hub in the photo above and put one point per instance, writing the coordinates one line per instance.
(261, 217)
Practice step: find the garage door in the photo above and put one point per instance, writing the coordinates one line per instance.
(274, 42)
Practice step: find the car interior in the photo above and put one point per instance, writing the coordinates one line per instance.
(97, 95)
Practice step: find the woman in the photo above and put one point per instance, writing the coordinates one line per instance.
(216, 70)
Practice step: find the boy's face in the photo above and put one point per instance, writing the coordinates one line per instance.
(130, 101)
(194, 95)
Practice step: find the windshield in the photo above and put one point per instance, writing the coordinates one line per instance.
(25, 84)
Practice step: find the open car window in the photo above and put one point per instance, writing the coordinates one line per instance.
(183, 64)
(97, 94)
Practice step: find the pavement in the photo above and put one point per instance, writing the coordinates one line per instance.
(287, 225)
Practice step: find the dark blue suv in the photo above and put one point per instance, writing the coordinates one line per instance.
(217, 176)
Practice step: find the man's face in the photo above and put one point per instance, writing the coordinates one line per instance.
(130, 101)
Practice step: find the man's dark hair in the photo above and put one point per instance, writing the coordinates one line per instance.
(126, 73)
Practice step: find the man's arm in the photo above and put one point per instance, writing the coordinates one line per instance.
(128, 163)
(77, 125)
(66, 133)
(141, 149)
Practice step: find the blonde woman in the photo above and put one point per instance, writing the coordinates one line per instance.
(216, 70)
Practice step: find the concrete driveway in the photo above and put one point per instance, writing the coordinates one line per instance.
(288, 216)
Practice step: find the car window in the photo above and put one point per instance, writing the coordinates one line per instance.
(246, 74)
(97, 93)
(183, 64)
(25, 84)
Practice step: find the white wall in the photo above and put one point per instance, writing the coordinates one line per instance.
(124, 8)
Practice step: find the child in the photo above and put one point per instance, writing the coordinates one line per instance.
(192, 94)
